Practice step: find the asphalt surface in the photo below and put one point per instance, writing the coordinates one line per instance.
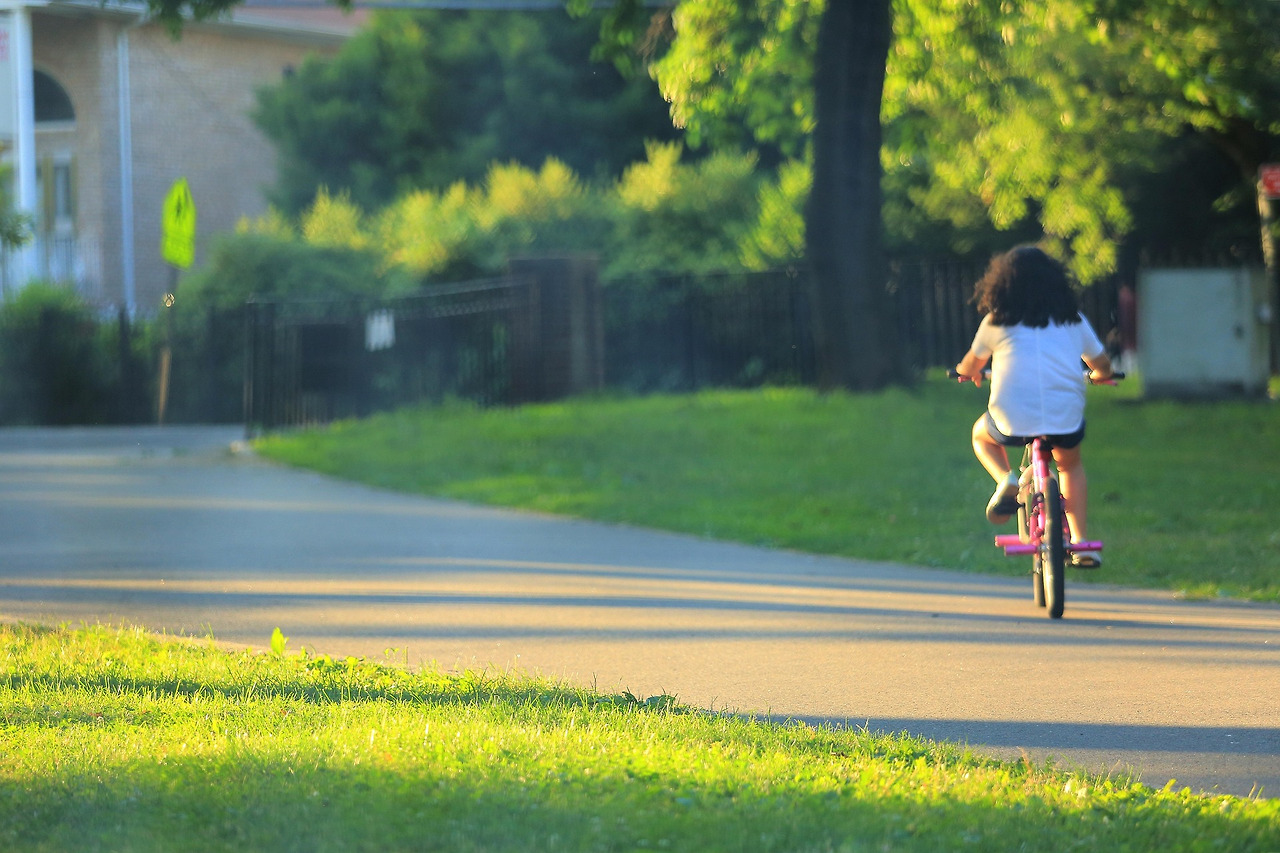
(170, 529)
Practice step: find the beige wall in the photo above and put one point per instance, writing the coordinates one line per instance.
(69, 50)
(190, 101)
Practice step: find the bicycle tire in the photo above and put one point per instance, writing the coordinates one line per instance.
(1024, 532)
(1053, 562)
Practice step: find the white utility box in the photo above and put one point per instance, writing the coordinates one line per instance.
(1203, 332)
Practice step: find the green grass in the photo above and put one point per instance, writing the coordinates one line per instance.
(114, 740)
(1183, 494)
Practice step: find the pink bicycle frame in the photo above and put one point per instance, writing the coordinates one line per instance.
(1013, 543)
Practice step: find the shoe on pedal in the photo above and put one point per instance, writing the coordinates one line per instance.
(1086, 560)
(1004, 502)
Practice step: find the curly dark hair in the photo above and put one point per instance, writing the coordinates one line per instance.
(1025, 286)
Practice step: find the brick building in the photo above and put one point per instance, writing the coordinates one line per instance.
(102, 110)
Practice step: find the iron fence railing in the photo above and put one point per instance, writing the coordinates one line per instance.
(317, 361)
(679, 333)
(937, 318)
(58, 258)
(504, 341)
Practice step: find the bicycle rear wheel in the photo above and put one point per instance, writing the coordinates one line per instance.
(1053, 552)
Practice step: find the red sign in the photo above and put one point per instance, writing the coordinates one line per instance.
(1269, 177)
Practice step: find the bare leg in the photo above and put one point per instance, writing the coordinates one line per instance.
(992, 456)
(1075, 489)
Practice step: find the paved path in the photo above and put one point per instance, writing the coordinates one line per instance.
(167, 528)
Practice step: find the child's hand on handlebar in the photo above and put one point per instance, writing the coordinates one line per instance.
(971, 368)
(961, 376)
(1104, 377)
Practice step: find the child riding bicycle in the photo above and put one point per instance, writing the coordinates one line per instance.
(1034, 335)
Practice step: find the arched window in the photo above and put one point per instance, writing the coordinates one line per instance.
(55, 162)
(52, 102)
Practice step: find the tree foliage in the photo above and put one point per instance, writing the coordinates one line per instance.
(741, 73)
(665, 215)
(1014, 111)
(1008, 112)
(423, 99)
(1070, 104)
(1003, 111)
(672, 216)
(15, 226)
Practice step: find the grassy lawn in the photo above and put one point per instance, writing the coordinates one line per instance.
(1183, 494)
(114, 740)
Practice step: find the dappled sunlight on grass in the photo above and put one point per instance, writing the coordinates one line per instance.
(113, 740)
(1181, 493)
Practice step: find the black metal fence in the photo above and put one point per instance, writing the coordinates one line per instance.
(487, 341)
(680, 333)
(317, 361)
(207, 356)
(686, 332)
(937, 320)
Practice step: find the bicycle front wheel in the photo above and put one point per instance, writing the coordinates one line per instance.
(1053, 552)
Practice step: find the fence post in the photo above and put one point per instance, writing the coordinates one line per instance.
(567, 350)
(250, 366)
(525, 355)
(690, 333)
(259, 368)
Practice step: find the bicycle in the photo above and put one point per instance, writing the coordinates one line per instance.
(1042, 520)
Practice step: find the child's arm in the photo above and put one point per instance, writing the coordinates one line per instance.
(1099, 368)
(971, 366)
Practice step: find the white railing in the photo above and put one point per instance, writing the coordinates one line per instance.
(76, 261)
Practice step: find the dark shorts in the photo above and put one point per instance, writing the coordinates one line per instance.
(1066, 442)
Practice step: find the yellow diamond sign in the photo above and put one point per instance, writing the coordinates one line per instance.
(178, 237)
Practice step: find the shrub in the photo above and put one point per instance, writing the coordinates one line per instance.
(263, 260)
(334, 222)
(434, 234)
(664, 216)
(469, 232)
(248, 265)
(677, 217)
(53, 364)
(546, 212)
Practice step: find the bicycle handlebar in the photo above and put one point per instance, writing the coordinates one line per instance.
(952, 373)
(1115, 376)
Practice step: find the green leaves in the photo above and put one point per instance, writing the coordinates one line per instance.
(664, 215)
(683, 217)
(741, 73)
(1028, 115)
(421, 100)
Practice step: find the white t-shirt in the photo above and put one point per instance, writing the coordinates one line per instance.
(1037, 381)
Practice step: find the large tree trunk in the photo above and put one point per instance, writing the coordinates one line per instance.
(856, 325)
